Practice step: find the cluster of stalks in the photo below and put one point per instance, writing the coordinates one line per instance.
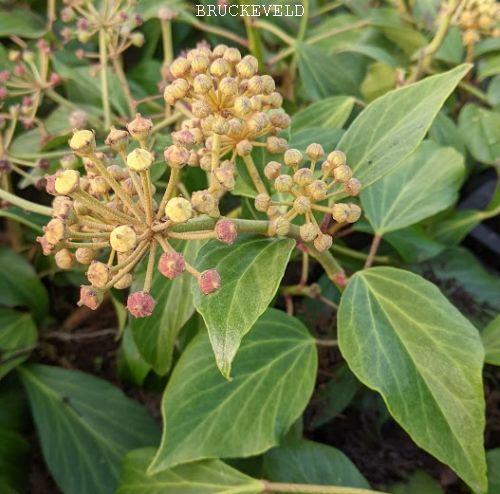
(110, 218)
(112, 207)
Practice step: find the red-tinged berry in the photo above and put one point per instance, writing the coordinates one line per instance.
(171, 265)
(225, 231)
(140, 304)
(209, 281)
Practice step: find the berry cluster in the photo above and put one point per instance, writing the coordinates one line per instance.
(112, 206)
(477, 19)
(110, 17)
(301, 190)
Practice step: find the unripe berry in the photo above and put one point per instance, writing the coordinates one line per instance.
(258, 122)
(244, 147)
(303, 177)
(140, 304)
(139, 160)
(353, 186)
(292, 157)
(340, 212)
(90, 297)
(117, 140)
(255, 85)
(276, 145)
(124, 282)
(317, 190)
(242, 106)
(202, 83)
(209, 281)
(220, 68)
(302, 204)
(272, 170)
(62, 207)
(64, 259)
(98, 186)
(228, 86)
(232, 55)
(204, 202)
(225, 176)
(225, 231)
(83, 142)
(279, 226)
(354, 213)
(140, 127)
(337, 158)
(268, 84)
(176, 156)
(84, 255)
(176, 91)
(178, 210)
(256, 103)
(283, 183)
(262, 202)
(171, 265)
(219, 125)
(179, 67)
(199, 64)
(315, 151)
(308, 232)
(219, 50)
(280, 120)
(201, 109)
(54, 231)
(247, 67)
(123, 238)
(275, 100)
(323, 242)
(342, 173)
(98, 274)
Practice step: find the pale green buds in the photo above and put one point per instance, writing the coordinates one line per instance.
(315, 151)
(279, 226)
(67, 182)
(64, 259)
(123, 238)
(317, 190)
(179, 67)
(178, 210)
(84, 255)
(272, 170)
(262, 202)
(302, 204)
(323, 242)
(308, 232)
(292, 157)
(303, 177)
(54, 231)
(139, 160)
(354, 213)
(117, 140)
(353, 186)
(340, 212)
(283, 183)
(140, 128)
(342, 173)
(337, 158)
(98, 274)
(83, 142)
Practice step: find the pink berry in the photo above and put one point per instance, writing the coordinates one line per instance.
(50, 184)
(225, 231)
(90, 297)
(171, 265)
(140, 304)
(209, 281)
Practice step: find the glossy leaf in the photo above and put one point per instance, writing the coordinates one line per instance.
(20, 285)
(203, 477)
(85, 426)
(131, 366)
(18, 334)
(419, 483)
(402, 338)
(251, 270)
(14, 450)
(20, 22)
(491, 341)
(379, 79)
(328, 113)
(155, 336)
(391, 127)
(493, 459)
(425, 183)
(306, 462)
(206, 416)
(480, 129)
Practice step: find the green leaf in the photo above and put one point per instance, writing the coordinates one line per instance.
(85, 426)
(453, 229)
(251, 270)
(445, 132)
(480, 129)
(299, 461)
(493, 459)
(324, 74)
(206, 416)
(402, 338)
(155, 336)
(491, 341)
(425, 183)
(379, 79)
(419, 483)
(328, 113)
(14, 450)
(18, 334)
(20, 285)
(131, 366)
(203, 477)
(391, 127)
(21, 22)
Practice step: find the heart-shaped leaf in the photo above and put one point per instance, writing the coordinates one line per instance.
(206, 416)
(402, 338)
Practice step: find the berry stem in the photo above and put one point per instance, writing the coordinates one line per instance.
(103, 60)
(254, 174)
(149, 269)
(24, 204)
(373, 251)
